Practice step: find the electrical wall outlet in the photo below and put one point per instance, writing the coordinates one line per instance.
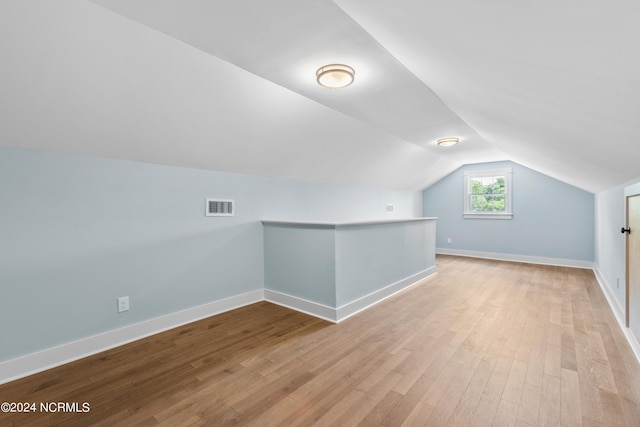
(123, 304)
(449, 241)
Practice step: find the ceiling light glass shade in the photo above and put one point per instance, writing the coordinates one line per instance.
(447, 142)
(335, 76)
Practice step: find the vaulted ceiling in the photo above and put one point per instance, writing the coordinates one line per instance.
(230, 86)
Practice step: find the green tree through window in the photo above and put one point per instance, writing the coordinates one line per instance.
(487, 194)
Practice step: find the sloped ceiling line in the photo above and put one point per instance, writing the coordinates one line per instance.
(497, 75)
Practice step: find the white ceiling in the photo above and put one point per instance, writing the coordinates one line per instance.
(230, 85)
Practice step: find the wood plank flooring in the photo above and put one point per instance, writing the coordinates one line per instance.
(481, 343)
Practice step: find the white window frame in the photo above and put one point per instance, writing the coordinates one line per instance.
(508, 194)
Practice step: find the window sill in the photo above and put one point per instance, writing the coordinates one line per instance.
(488, 215)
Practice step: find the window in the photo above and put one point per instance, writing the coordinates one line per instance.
(487, 194)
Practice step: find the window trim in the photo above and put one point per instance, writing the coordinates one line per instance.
(508, 212)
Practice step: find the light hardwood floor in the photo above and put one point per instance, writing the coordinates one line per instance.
(481, 343)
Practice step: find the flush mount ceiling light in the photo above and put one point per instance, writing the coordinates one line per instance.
(335, 76)
(447, 142)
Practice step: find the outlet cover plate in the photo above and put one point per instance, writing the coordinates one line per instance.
(123, 304)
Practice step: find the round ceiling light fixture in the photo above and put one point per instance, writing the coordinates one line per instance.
(335, 76)
(447, 142)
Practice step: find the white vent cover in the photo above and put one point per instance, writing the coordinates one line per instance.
(219, 207)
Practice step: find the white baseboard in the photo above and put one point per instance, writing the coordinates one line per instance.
(55, 356)
(618, 312)
(39, 361)
(302, 305)
(337, 315)
(354, 307)
(560, 262)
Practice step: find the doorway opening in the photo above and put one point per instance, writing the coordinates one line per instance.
(633, 264)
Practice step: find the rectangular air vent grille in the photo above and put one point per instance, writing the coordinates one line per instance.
(218, 207)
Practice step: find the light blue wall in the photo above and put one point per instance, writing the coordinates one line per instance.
(372, 257)
(551, 219)
(78, 232)
(335, 264)
(301, 262)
